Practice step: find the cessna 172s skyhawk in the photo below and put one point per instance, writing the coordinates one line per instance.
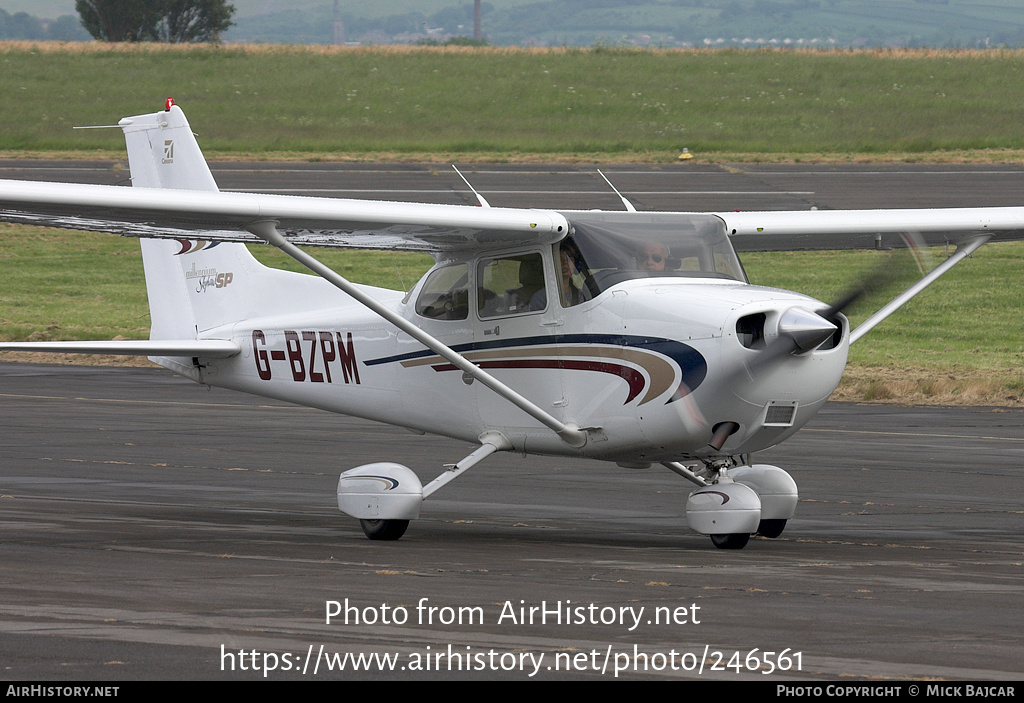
(631, 337)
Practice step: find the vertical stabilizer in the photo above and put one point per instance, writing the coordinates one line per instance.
(199, 289)
(163, 152)
(192, 286)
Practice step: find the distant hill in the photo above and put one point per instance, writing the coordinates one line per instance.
(750, 23)
(21, 25)
(822, 23)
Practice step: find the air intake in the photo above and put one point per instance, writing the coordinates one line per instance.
(780, 414)
(750, 330)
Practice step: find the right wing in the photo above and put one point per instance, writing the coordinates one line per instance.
(218, 216)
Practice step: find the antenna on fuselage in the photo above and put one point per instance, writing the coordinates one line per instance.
(480, 198)
(629, 205)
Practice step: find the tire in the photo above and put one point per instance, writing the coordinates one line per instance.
(388, 530)
(737, 541)
(771, 528)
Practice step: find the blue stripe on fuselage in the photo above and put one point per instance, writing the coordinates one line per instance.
(691, 363)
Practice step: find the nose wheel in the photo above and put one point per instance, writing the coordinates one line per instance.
(737, 541)
(385, 530)
(735, 502)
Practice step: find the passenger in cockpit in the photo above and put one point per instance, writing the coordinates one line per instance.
(570, 291)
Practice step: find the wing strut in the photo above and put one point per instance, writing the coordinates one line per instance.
(570, 433)
(903, 298)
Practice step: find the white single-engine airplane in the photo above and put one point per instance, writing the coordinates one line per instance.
(631, 337)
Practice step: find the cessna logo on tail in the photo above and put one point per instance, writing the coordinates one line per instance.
(168, 152)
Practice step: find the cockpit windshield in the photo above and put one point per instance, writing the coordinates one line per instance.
(606, 248)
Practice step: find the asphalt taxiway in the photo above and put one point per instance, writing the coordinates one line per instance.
(674, 187)
(151, 526)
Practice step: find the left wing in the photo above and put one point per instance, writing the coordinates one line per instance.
(966, 228)
(867, 229)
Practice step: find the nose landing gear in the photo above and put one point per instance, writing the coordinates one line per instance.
(734, 503)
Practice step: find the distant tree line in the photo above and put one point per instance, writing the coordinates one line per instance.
(173, 21)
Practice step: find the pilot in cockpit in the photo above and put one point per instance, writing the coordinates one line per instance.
(652, 256)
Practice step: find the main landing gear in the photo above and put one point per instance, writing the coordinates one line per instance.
(385, 496)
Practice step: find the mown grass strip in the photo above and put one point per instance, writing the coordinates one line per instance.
(600, 101)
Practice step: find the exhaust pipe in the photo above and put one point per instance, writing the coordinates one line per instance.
(722, 431)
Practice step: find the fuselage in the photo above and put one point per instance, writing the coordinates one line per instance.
(649, 366)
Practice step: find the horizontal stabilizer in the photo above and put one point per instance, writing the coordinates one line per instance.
(206, 348)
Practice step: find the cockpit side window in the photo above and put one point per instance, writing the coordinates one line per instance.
(511, 285)
(445, 294)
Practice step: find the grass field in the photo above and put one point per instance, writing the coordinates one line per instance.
(507, 103)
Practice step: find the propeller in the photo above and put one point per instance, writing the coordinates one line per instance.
(802, 330)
